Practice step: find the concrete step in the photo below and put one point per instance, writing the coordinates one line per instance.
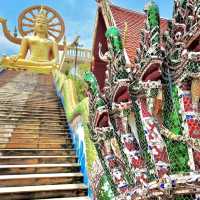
(37, 152)
(40, 179)
(35, 136)
(29, 124)
(43, 191)
(29, 132)
(32, 111)
(52, 129)
(73, 198)
(19, 117)
(35, 120)
(34, 107)
(39, 140)
(35, 146)
(30, 121)
(16, 160)
(18, 126)
(23, 111)
(37, 116)
(39, 168)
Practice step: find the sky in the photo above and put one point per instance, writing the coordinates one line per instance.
(79, 16)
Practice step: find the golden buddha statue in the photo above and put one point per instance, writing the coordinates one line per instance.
(43, 50)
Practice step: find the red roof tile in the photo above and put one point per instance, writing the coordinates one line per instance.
(135, 21)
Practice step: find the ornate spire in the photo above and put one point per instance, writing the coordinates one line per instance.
(150, 4)
(15, 32)
(107, 1)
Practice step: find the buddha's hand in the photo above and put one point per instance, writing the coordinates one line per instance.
(13, 59)
(8, 60)
(2, 20)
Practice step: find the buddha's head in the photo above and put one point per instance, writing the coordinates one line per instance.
(41, 23)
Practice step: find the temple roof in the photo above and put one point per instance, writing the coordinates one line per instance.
(112, 15)
(135, 21)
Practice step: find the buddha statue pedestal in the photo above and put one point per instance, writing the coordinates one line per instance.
(21, 64)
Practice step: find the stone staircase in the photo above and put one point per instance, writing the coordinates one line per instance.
(37, 159)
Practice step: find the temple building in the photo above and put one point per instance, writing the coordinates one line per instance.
(144, 101)
(130, 24)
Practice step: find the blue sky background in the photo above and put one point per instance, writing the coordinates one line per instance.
(79, 16)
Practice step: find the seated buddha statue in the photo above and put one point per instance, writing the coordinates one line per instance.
(43, 51)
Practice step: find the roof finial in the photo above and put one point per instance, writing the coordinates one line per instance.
(15, 32)
(125, 33)
(150, 4)
(108, 1)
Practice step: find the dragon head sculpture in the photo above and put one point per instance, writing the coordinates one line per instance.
(114, 40)
(181, 42)
(148, 59)
(99, 116)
